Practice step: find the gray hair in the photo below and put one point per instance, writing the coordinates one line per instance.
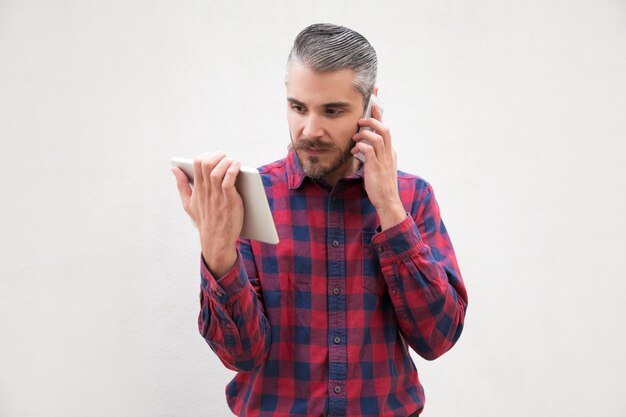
(324, 47)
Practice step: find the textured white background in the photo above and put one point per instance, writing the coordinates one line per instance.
(515, 111)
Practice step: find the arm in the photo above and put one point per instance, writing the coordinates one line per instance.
(232, 318)
(425, 285)
(415, 253)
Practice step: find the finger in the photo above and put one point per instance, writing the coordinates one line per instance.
(198, 179)
(217, 174)
(208, 163)
(378, 127)
(182, 183)
(373, 124)
(374, 139)
(230, 179)
(366, 149)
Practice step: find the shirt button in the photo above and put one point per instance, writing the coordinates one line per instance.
(337, 390)
(394, 291)
(381, 249)
(337, 340)
(219, 294)
(335, 243)
(336, 291)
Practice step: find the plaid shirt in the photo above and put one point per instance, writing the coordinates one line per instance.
(319, 324)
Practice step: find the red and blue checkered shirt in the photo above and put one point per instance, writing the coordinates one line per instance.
(320, 324)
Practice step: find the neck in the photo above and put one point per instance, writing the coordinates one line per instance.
(351, 166)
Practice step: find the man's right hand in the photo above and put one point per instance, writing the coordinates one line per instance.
(215, 207)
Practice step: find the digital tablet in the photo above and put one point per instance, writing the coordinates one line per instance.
(258, 223)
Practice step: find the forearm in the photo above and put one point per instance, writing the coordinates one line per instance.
(232, 320)
(429, 309)
(428, 295)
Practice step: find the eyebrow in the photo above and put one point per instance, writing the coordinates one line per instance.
(335, 104)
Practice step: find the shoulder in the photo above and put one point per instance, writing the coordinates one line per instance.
(274, 172)
(414, 190)
(278, 166)
(413, 182)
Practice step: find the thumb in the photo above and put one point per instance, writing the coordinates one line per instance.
(184, 189)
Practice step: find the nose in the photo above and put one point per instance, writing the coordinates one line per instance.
(313, 126)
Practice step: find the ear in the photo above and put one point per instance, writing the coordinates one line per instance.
(375, 91)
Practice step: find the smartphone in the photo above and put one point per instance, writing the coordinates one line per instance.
(258, 222)
(366, 115)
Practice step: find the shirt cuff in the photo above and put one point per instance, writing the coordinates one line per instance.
(398, 242)
(227, 287)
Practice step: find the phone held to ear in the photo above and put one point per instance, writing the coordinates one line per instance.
(366, 115)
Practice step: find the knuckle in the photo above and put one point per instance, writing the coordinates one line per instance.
(207, 170)
(215, 176)
(374, 140)
(230, 187)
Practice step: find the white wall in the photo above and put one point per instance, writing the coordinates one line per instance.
(513, 110)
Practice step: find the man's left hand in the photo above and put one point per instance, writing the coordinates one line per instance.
(380, 169)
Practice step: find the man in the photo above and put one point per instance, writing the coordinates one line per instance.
(319, 324)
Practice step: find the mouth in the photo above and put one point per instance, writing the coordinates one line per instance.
(314, 151)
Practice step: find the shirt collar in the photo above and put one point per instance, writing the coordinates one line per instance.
(296, 175)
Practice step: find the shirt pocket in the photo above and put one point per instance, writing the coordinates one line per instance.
(371, 275)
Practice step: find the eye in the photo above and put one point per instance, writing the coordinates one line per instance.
(333, 112)
(298, 108)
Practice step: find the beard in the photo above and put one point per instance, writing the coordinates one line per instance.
(311, 164)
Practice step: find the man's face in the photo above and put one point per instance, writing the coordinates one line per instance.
(322, 112)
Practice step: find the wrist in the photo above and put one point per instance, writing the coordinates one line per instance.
(391, 215)
(219, 262)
